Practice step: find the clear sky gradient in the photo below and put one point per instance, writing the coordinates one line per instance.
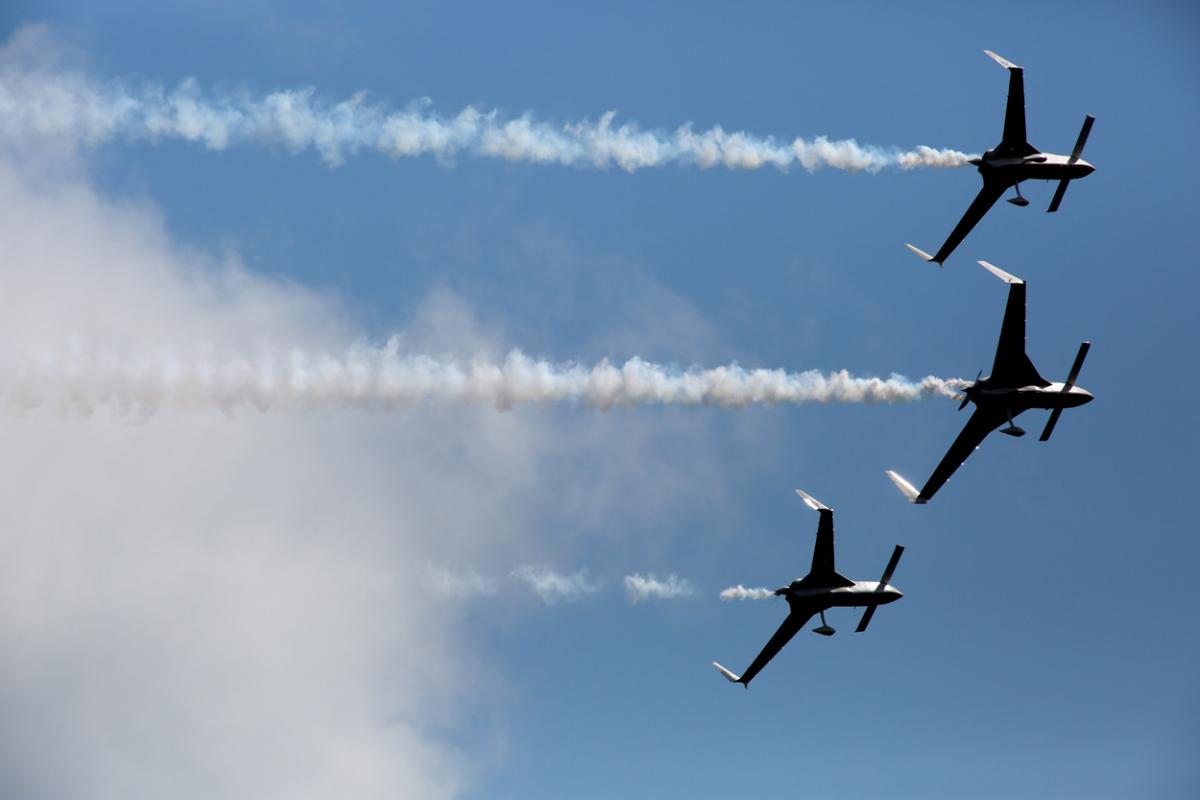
(1047, 642)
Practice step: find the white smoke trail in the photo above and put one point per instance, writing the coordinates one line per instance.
(41, 104)
(740, 592)
(552, 586)
(458, 585)
(78, 380)
(644, 587)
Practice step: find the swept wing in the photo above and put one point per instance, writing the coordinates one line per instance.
(981, 423)
(823, 571)
(1012, 366)
(987, 197)
(1014, 141)
(794, 622)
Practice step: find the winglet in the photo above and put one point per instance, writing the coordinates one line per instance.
(1001, 60)
(921, 253)
(812, 502)
(729, 676)
(907, 489)
(999, 273)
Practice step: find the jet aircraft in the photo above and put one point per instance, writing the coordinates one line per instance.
(820, 589)
(1012, 161)
(1014, 386)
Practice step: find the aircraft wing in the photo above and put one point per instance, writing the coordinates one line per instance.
(986, 198)
(1012, 366)
(1010, 350)
(822, 561)
(1014, 113)
(977, 428)
(794, 622)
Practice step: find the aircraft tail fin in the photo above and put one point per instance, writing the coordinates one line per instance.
(729, 676)
(907, 489)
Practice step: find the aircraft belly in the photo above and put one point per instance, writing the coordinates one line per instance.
(1050, 399)
(1026, 398)
(1013, 402)
(1046, 171)
(863, 593)
(860, 599)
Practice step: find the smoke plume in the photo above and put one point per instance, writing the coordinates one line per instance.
(553, 586)
(75, 379)
(39, 103)
(644, 587)
(740, 592)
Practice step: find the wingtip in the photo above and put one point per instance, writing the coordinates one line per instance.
(907, 489)
(729, 676)
(922, 254)
(812, 502)
(999, 273)
(1001, 60)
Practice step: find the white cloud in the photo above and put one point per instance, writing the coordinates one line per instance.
(552, 586)
(207, 606)
(644, 587)
(204, 606)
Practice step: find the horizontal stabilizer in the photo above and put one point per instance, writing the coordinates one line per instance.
(883, 583)
(1075, 367)
(1077, 151)
(897, 551)
(1001, 60)
(999, 273)
(866, 619)
(907, 489)
(1050, 423)
(1056, 201)
(729, 676)
(812, 502)
(924, 256)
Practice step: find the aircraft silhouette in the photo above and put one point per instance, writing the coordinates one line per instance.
(822, 588)
(1012, 161)
(1014, 386)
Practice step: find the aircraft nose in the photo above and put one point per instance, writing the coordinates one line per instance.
(1087, 396)
(1087, 168)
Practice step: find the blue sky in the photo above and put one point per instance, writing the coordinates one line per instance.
(1044, 645)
